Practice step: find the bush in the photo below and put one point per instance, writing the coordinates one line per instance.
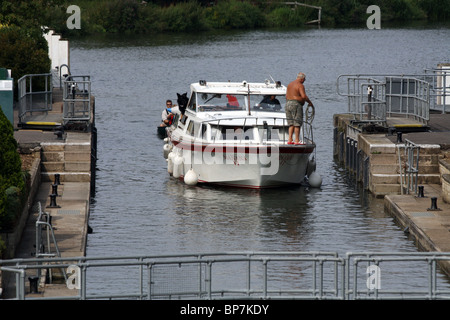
(24, 51)
(121, 15)
(12, 183)
(183, 17)
(287, 17)
(233, 14)
(13, 207)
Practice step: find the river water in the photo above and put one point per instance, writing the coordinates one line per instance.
(139, 210)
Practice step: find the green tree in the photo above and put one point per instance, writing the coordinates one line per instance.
(12, 183)
(24, 51)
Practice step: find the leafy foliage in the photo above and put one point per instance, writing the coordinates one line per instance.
(137, 16)
(12, 184)
(24, 51)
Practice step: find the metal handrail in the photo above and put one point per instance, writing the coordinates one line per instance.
(367, 93)
(77, 98)
(306, 132)
(354, 259)
(265, 275)
(437, 80)
(44, 221)
(26, 92)
(409, 176)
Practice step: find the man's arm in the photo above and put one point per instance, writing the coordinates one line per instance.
(302, 93)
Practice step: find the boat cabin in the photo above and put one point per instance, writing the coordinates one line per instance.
(241, 112)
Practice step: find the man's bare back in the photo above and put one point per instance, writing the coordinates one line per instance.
(296, 91)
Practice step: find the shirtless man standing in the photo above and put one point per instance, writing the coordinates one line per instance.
(295, 99)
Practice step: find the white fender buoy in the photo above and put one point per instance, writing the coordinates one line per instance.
(311, 167)
(315, 180)
(190, 178)
(170, 162)
(177, 166)
(166, 150)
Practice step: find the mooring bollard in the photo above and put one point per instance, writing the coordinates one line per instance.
(57, 177)
(399, 137)
(33, 284)
(53, 202)
(434, 206)
(420, 194)
(55, 189)
(59, 132)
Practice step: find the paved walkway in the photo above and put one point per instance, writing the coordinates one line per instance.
(69, 217)
(430, 229)
(70, 224)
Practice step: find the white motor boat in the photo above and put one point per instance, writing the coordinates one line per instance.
(236, 134)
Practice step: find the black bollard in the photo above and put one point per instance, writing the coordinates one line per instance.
(59, 135)
(57, 177)
(399, 137)
(53, 202)
(59, 132)
(420, 194)
(33, 284)
(434, 206)
(55, 189)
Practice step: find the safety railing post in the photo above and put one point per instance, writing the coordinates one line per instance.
(149, 281)
(265, 261)
(208, 280)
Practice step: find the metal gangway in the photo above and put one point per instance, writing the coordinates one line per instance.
(34, 95)
(37, 94)
(77, 99)
(373, 98)
(248, 275)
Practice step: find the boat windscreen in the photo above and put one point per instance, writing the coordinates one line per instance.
(233, 102)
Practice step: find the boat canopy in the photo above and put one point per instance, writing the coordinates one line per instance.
(237, 96)
(244, 87)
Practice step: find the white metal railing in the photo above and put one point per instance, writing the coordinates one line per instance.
(266, 125)
(409, 169)
(376, 266)
(430, 90)
(250, 275)
(408, 96)
(374, 98)
(77, 98)
(34, 94)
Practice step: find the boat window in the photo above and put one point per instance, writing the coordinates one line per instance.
(215, 132)
(203, 129)
(221, 102)
(232, 102)
(196, 129)
(190, 128)
(274, 103)
(193, 102)
(176, 117)
(237, 133)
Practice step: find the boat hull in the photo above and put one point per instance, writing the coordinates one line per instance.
(244, 166)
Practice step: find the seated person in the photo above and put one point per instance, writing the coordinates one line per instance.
(168, 114)
(232, 101)
(270, 102)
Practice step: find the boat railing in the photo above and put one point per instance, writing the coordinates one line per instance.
(266, 123)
